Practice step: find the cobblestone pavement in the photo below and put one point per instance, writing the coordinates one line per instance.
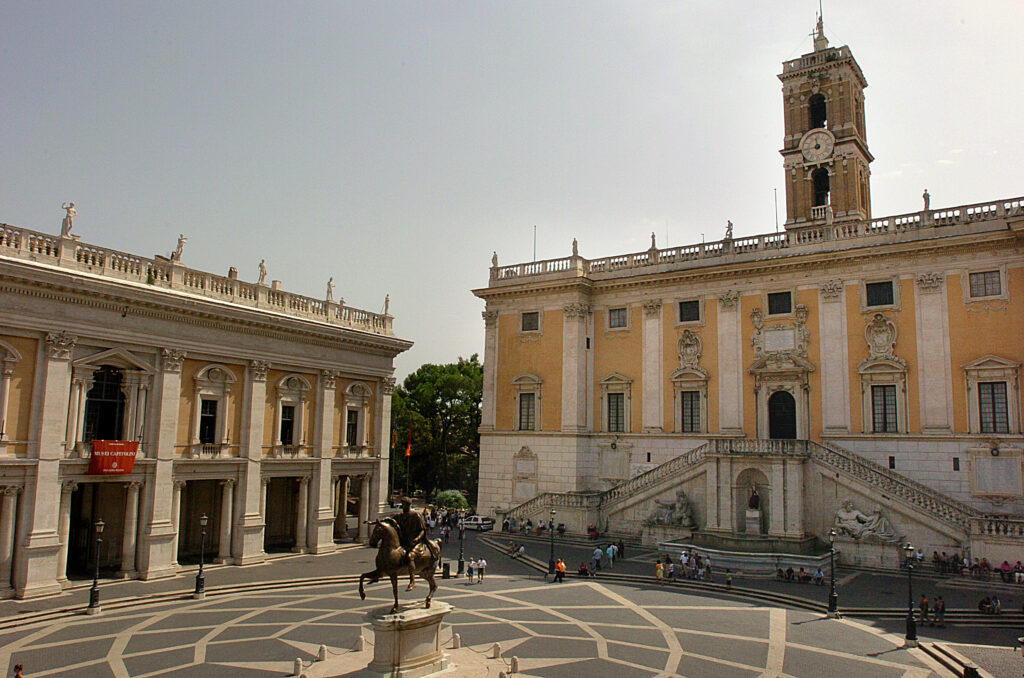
(570, 629)
(581, 627)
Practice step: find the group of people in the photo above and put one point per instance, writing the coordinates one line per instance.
(606, 557)
(692, 565)
(516, 550)
(800, 576)
(990, 605)
(512, 525)
(979, 568)
(933, 614)
(475, 570)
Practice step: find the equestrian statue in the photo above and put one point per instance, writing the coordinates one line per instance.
(403, 548)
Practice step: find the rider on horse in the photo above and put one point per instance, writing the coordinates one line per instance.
(412, 531)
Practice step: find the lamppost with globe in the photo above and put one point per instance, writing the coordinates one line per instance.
(200, 591)
(833, 597)
(94, 592)
(908, 552)
(462, 535)
(551, 557)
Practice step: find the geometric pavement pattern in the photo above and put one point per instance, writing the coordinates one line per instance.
(576, 628)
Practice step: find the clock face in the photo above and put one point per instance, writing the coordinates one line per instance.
(817, 145)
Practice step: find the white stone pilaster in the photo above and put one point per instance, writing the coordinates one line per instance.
(711, 488)
(726, 494)
(301, 520)
(253, 486)
(730, 366)
(382, 441)
(64, 530)
(340, 524)
(834, 351)
(777, 507)
(488, 400)
(794, 498)
(8, 514)
(321, 529)
(177, 487)
(934, 382)
(129, 539)
(227, 505)
(574, 368)
(364, 509)
(652, 403)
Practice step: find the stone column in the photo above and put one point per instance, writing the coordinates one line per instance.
(730, 365)
(35, 563)
(71, 436)
(84, 386)
(835, 391)
(301, 522)
(574, 367)
(711, 485)
(264, 488)
(340, 522)
(254, 486)
(321, 529)
(8, 514)
(652, 400)
(6, 371)
(777, 527)
(934, 379)
(794, 498)
(726, 495)
(131, 530)
(179, 485)
(364, 509)
(382, 441)
(64, 530)
(487, 403)
(227, 503)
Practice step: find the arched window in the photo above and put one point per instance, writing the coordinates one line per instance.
(819, 111)
(821, 186)
(104, 405)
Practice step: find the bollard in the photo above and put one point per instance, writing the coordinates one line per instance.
(360, 644)
(502, 674)
(297, 669)
(321, 654)
(971, 671)
(456, 641)
(495, 651)
(446, 571)
(513, 665)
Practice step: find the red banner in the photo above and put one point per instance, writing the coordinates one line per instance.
(113, 457)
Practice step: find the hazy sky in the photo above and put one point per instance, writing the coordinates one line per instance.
(394, 145)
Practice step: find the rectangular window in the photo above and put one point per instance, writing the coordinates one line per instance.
(287, 424)
(352, 428)
(892, 463)
(956, 463)
(986, 284)
(531, 321)
(883, 408)
(208, 422)
(616, 412)
(689, 311)
(992, 407)
(617, 317)
(691, 411)
(879, 293)
(527, 411)
(780, 303)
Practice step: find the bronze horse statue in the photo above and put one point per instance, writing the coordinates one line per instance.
(391, 561)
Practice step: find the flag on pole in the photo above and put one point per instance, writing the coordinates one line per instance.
(408, 445)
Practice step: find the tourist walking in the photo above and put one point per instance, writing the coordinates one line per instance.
(470, 570)
(481, 567)
(658, 574)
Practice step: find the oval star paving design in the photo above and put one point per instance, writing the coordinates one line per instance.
(578, 628)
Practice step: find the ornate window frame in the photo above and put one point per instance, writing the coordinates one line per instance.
(292, 389)
(965, 284)
(136, 384)
(527, 383)
(992, 368)
(793, 302)
(8, 357)
(883, 372)
(357, 399)
(862, 287)
(212, 382)
(540, 323)
(700, 321)
(689, 379)
(617, 383)
(608, 318)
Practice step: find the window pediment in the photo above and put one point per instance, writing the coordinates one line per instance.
(116, 357)
(991, 362)
(527, 380)
(882, 366)
(614, 379)
(294, 384)
(689, 374)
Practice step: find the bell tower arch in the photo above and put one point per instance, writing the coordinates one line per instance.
(825, 151)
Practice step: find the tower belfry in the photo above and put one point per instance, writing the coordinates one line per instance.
(825, 151)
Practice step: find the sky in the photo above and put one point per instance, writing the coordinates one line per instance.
(395, 145)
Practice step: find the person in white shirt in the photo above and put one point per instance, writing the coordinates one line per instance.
(481, 566)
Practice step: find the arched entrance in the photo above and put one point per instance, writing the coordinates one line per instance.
(782, 416)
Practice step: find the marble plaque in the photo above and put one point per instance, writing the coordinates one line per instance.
(780, 340)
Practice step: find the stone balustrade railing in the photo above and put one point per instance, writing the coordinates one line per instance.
(654, 476)
(793, 240)
(548, 500)
(1000, 526)
(72, 254)
(900, 487)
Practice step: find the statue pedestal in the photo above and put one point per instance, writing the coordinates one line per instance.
(656, 534)
(407, 644)
(752, 524)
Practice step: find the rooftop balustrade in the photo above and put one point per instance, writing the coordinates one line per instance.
(71, 254)
(801, 238)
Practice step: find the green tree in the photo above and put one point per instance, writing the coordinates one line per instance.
(440, 406)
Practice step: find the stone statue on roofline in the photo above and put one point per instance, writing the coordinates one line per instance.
(263, 272)
(176, 254)
(69, 219)
(330, 289)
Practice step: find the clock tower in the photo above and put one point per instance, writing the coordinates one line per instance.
(825, 154)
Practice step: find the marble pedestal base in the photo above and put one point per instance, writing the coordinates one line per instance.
(753, 522)
(656, 534)
(407, 644)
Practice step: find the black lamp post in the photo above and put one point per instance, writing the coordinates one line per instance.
(833, 597)
(462, 533)
(551, 557)
(908, 551)
(200, 591)
(94, 592)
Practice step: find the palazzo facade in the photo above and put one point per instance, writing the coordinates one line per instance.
(266, 411)
(894, 342)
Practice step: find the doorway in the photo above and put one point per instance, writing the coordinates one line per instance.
(199, 497)
(90, 503)
(282, 502)
(782, 416)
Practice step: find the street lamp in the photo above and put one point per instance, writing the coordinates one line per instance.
(462, 534)
(908, 551)
(94, 592)
(200, 591)
(551, 558)
(833, 597)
